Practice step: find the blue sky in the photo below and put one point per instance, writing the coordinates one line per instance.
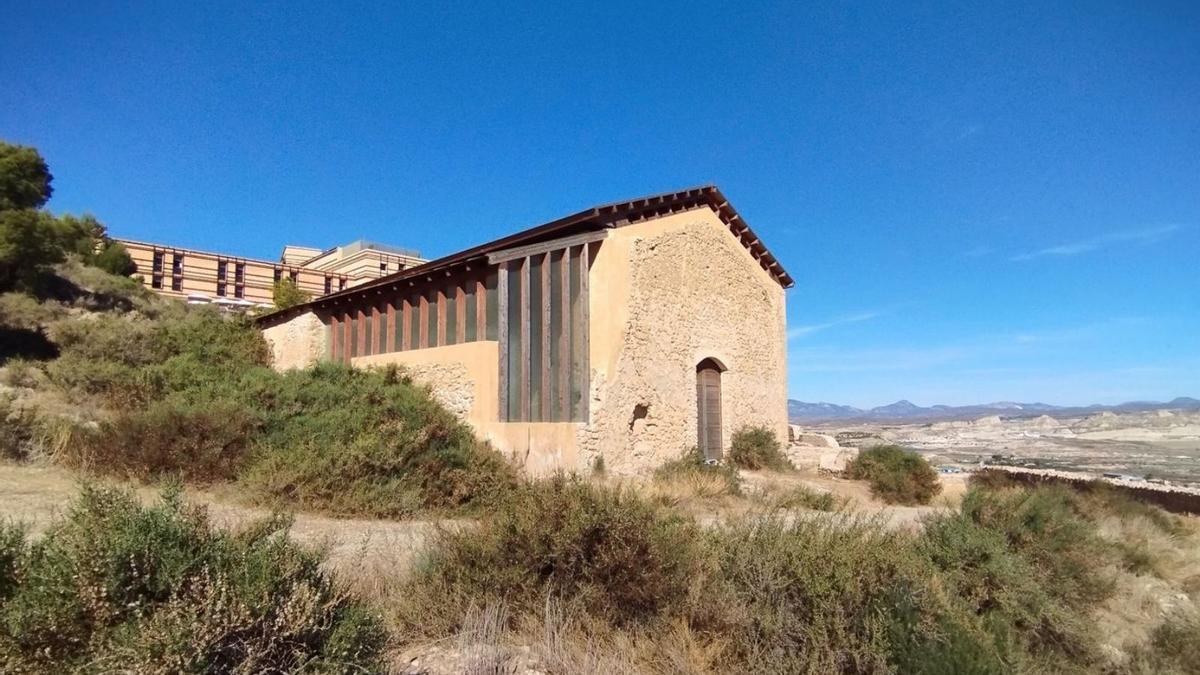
(985, 203)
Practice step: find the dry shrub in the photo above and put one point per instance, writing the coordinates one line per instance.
(117, 586)
(801, 497)
(696, 476)
(606, 552)
(1031, 565)
(896, 475)
(198, 443)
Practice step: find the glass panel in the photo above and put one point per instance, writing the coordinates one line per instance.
(493, 306)
(451, 315)
(576, 332)
(414, 322)
(556, 333)
(536, 361)
(472, 309)
(514, 339)
(432, 324)
(381, 345)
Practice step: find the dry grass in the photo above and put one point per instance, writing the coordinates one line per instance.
(1160, 558)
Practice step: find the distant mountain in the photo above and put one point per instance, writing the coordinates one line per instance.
(828, 411)
(799, 411)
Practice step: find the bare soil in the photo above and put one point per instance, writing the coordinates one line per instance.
(36, 495)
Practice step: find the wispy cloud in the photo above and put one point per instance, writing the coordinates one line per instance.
(1147, 235)
(1085, 331)
(804, 331)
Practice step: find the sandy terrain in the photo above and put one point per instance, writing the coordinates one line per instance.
(1162, 446)
(37, 495)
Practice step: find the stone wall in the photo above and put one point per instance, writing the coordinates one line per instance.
(298, 342)
(694, 292)
(450, 384)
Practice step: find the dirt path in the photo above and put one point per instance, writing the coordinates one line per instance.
(37, 495)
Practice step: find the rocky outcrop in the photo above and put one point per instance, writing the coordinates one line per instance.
(813, 451)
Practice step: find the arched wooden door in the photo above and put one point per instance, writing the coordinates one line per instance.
(708, 409)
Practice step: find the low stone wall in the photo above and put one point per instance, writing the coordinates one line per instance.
(1176, 500)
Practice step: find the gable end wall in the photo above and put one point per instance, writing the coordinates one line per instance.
(666, 294)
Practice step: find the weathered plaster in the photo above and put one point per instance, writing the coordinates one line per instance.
(298, 342)
(669, 293)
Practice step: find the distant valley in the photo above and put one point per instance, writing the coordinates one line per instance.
(801, 411)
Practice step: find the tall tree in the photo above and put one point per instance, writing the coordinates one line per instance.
(287, 293)
(24, 178)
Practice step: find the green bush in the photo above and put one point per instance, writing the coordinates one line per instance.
(1029, 564)
(117, 586)
(192, 396)
(692, 465)
(609, 555)
(755, 447)
(365, 442)
(897, 476)
(287, 293)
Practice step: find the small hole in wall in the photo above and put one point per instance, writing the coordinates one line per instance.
(640, 411)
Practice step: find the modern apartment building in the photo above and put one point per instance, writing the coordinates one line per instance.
(206, 277)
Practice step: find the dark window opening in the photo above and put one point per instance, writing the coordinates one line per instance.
(239, 273)
(221, 288)
(156, 281)
(158, 261)
(328, 285)
(221, 266)
(239, 292)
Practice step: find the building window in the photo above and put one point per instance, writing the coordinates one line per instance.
(158, 261)
(156, 281)
(278, 275)
(294, 276)
(177, 264)
(239, 274)
(221, 288)
(341, 284)
(328, 285)
(543, 333)
(177, 283)
(221, 265)
(382, 267)
(239, 291)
